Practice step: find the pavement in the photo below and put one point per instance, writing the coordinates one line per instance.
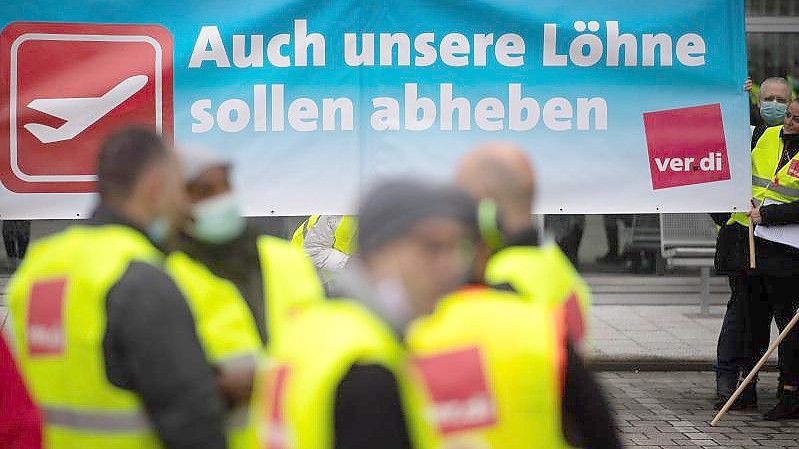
(665, 410)
(631, 336)
(668, 335)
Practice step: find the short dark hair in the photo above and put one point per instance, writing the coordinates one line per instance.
(124, 156)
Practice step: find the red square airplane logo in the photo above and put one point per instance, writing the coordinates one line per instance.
(66, 87)
(686, 146)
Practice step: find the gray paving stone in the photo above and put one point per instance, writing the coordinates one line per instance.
(683, 410)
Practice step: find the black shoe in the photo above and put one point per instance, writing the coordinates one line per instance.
(787, 408)
(747, 399)
(725, 384)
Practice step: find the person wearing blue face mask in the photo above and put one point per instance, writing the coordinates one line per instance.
(774, 96)
(274, 278)
(745, 331)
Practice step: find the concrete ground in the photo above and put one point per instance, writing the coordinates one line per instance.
(671, 410)
(626, 335)
(620, 333)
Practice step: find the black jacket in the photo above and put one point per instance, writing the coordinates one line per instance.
(151, 348)
(368, 413)
(773, 259)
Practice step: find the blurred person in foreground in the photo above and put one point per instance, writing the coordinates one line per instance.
(533, 265)
(417, 244)
(20, 420)
(241, 286)
(274, 278)
(104, 338)
(338, 378)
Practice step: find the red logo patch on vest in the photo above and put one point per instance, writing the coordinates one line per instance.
(45, 320)
(573, 315)
(458, 388)
(277, 437)
(793, 169)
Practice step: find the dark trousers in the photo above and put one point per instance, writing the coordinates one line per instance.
(611, 222)
(745, 332)
(570, 245)
(783, 298)
(16, 236)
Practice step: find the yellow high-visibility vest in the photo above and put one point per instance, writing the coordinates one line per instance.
(544, 275)
(290, 282)
(225, 327)
(780, 184)
(295, 396)
(344, 235)
(492, 367)
(57, 303)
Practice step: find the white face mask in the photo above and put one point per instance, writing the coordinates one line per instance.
(391, 302)
(218, 219)
(158, 230)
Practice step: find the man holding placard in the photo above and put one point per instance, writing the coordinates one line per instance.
(775, 191)
(745, 335)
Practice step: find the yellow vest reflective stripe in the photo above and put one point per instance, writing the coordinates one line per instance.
(768, 182)
(344, 235)
(290, 282)
(544, 275)
(492, 367)
(296, 390)
(92, 421)
(225, 327)
(57, 302)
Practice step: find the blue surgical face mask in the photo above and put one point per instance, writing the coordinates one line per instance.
(159, 229)
(773, 112)
(218, 219)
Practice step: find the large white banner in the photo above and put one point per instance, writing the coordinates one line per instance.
(624, 106)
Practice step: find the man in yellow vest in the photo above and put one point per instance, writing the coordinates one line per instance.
(417, 243)
(217, 243)
(275, 279)
(746, 329)
(338, 379)
(498, 370)
(531, 264)
(775, 192)
(329, 240)
(103, 336)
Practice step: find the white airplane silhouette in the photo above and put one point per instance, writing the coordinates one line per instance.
(80, 113)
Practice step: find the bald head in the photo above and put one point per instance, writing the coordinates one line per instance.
(776, 89)
(503, 173)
